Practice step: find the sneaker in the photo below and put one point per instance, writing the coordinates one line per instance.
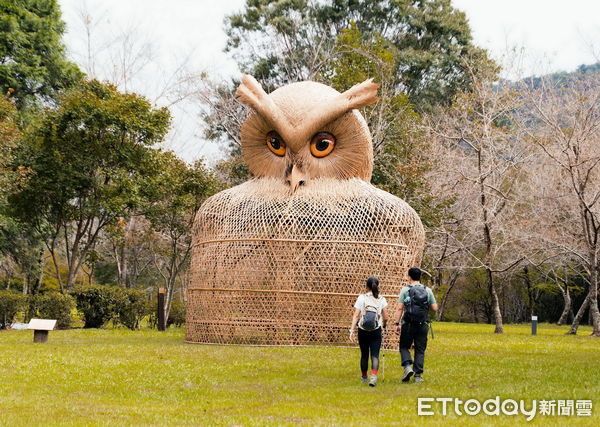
(408, 372)
(419, 378)
(364, 380)
(373, 381)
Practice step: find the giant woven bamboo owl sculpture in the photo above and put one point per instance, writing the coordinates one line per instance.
(280, 259)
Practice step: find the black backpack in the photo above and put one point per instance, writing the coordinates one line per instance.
(417, 309)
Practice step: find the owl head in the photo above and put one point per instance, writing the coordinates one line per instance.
(307, 130)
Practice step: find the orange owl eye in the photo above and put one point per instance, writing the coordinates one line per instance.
(322, 144)
(275, 143)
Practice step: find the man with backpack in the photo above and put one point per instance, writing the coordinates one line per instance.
(412, 321)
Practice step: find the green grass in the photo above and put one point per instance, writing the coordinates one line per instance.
(148, 377)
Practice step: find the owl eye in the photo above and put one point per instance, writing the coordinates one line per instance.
(275, 143)
(322, 144)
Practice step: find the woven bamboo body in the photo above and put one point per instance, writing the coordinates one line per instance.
(272, 268)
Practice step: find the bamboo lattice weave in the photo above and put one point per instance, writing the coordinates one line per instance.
(274, 268)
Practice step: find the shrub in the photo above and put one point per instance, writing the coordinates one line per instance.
(52, 305)
(131, 308)
(176, 314)
(10, 304)
(151, 307)
(98, 304)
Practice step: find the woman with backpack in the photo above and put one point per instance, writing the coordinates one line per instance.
(371, 317)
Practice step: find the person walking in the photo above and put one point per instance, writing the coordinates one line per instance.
(412, 323)
(370, 316)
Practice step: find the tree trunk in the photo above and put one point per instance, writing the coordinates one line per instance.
(40, 276)
(495, 303)
(73, 257)
(169, 301)
(32, 279)
(121, 262)
(56, 267)
(440, 313)
(530, 297)
(78, 255)
(73, 270)
(487, 234)
(564, 317)
(26, 277)
(83, 241)
(579, 316)
(594, 313)
(124, 255)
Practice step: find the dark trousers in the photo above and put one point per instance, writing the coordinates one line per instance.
(369, 342)
(414, 333)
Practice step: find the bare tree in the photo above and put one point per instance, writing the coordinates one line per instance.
(123, 56)
(222, 113)
(443, 258)
(485, 161)
(559, 274)
(445, 255)
(171, 252)
(566, 128)
(130, 59)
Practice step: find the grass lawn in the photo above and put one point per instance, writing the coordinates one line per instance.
(148, 377)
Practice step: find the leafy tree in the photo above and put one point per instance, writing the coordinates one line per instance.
(33, 70)
(88, 159)
(32, 56)
(177, 191)
(18, 242)
(21, 243)
(401, 153)
(233, 170)
(285, 41)
(9, 138)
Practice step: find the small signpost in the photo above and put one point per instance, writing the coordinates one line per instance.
(162, 324)
(40, 329)
(534, 325)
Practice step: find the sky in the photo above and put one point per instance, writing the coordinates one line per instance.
(162, 39)
(554, 35)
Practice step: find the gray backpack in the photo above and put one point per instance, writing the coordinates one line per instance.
(369, 320)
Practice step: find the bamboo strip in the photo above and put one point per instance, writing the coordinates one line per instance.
(251, 239)
(282, 291)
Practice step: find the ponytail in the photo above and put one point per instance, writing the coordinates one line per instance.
(373, 286)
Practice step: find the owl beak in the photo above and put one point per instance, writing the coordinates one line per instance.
(295, 179)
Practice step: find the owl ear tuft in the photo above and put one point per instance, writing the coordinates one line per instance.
(250, 92)
(362, 94)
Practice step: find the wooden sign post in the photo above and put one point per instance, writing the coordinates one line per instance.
(162, 322)
(40, 329)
